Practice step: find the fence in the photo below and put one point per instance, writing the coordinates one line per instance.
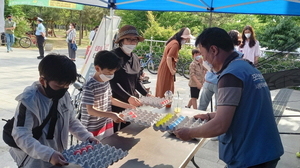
(270, 60)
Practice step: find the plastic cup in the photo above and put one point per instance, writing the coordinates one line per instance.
(177, 104)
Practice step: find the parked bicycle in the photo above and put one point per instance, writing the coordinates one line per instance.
(78, 85)
(183, 67)
(26, 42)
(151, 63)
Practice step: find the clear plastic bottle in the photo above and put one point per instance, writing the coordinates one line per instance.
(169, 95)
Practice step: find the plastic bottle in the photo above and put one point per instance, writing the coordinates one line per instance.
(169, 95)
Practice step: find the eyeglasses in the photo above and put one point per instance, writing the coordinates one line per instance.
(132, 40)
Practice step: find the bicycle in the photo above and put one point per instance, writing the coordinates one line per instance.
(78, 85)
(183, 66)
(26, 42)
(151, 63)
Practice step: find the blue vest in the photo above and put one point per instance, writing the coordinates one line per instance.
(252, 137)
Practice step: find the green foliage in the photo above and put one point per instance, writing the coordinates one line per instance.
(185, 53)
(155, 30)
(92, 16)
(22, 26)
(178, 20)
(12, 10)
(137, 19)
(283, 35)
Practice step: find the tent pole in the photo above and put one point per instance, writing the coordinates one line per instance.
(111, 13)
(210, 19)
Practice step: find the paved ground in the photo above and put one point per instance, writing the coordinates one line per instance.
(18, 69)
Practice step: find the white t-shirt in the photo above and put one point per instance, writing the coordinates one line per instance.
(250, 53)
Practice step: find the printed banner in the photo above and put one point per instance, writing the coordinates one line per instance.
(47, 3)
(102, 41)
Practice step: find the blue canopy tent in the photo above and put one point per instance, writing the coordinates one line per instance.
(265, 7)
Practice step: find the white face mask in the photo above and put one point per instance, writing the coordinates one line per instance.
(183, 42)
(247, 35)
(106, 78)
(208, 66)
(198, 57)
(128, 48)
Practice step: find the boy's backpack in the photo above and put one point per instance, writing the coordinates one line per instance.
(8, 127)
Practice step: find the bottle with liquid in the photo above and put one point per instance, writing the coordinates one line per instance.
(169, 95)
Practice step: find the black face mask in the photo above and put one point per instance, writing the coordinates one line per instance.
(54, 94)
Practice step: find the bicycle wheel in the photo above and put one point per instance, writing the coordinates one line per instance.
(152, 65)
(25, 42)
(186, 70)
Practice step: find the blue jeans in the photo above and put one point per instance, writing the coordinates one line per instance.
(208, 90)
(10, 40)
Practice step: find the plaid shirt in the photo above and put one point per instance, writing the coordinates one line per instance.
(196, 69)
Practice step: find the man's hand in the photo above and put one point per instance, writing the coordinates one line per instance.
(183, 134)
(58, 159)
(202, 117)
(93, 139)
(134, 101)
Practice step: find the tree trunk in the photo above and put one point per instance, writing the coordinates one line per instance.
(81, 28)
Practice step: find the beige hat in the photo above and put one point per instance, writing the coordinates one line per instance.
(187, 34)
(128, 31)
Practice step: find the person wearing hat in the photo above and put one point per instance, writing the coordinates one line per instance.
(126, 79)
(167, 67)
(40, 37)
(9, 32)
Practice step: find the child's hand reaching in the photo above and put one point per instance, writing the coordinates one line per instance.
(93, 139)
(118, 118)
(57, 159)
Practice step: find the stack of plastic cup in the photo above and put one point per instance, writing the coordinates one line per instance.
(172, 122)
(141, 117)
(155, 102)
(90, 155)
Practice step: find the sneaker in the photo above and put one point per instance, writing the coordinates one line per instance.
(40, 57)
(7, 51)
(214, 138)
(11, 50)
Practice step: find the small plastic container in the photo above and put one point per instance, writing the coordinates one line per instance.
(177, 104)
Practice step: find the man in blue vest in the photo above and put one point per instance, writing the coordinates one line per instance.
(9, 32)
(244, 121)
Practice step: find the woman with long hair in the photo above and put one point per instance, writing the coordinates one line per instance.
(250, 46)
(71, 39)
(167, 67)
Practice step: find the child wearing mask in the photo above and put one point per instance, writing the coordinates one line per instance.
(46, 98)
(197, 73)
(97, 115)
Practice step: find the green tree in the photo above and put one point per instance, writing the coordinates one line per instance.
(12, 10)
(137, 19)
(155, 30)
(282, 35)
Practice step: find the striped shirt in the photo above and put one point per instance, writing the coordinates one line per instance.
(99, 95)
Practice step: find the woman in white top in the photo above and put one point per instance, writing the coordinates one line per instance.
(250, 46)
(71, 39)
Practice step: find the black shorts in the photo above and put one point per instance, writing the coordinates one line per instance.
(194, 92)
